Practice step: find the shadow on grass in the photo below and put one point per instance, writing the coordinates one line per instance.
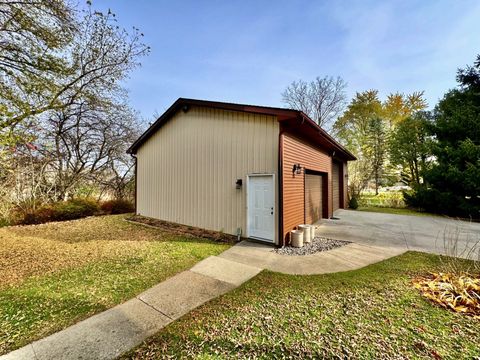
(26, 316)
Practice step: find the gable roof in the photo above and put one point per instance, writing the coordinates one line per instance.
(281, 113)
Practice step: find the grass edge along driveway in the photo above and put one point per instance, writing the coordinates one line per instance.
(113, 261)
(373, 312)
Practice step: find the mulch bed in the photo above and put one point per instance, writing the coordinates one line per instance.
(184, 230)
(317, 245)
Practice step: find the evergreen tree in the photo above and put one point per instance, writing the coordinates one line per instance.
(454, 178)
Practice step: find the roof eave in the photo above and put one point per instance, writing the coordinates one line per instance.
(335, 143)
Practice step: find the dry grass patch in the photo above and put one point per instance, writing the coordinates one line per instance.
(43, 249)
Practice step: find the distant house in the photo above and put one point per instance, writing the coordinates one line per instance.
(251, 170)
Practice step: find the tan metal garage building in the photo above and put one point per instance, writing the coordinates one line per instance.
(250, 170)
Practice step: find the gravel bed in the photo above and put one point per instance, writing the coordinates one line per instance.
(317, 245)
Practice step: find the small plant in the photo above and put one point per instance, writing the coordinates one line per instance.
(457, 287)
(117, 206)
(460, 245)
(353, 203)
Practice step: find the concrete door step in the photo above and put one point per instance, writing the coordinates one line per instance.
(231, 272)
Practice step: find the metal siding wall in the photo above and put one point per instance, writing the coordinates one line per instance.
(313, 198)
(297, 151)
(188, 168)
(345, 184)
(336, 185)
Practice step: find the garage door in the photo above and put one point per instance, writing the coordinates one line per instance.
(313, 198)
(336, 185)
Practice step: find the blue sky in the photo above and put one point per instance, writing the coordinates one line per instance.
(249, 51)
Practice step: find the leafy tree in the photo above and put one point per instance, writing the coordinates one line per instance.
(453, 180)
(322, 99)
(399, 106)
(352, 129)
(410, 147)
(376, 149)
(365, 129)
(73, 59)
(33, 35)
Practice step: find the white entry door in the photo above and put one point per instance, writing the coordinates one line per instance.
(261, 207)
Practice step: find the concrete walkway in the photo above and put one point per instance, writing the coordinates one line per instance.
(350, 257)
(115, 331)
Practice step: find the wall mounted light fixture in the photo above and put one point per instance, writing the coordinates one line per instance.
(297, 169)
(238, 183)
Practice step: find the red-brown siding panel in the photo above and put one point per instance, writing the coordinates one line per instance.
(345, 185)
(336, 185)
(295, 151)
(313, 198)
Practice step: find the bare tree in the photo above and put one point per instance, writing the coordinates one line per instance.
(87, 145)
(23, 179)
(323, 99)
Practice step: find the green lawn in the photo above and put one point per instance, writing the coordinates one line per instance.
(369, 313)
(389, 199)
(388, 202)
(396, 211)
(56, 274)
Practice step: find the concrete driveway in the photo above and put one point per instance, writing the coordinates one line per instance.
(423, 233)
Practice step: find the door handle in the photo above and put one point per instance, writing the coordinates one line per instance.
(271, 213)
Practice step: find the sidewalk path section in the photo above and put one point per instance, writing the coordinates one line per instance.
(349, 257)
(115, 331)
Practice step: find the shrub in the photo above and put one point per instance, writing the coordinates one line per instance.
(43, 214)
(435, 201)
(353, 203)
(74, 209)
(390, 199)
(4, 222)
(59, 211)
(117, 207)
